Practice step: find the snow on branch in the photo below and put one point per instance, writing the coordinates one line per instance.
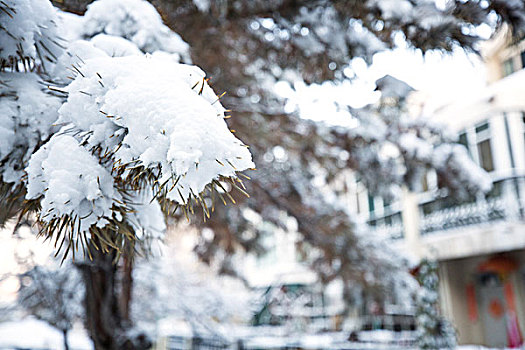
(27, 113)
(173, 128)
(136, 21)
(114, 138)
(70, 182)
(28, 32)
(134, 129)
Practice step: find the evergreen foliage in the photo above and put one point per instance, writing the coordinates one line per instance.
(56, 100)
(433, 330)
(54, 296)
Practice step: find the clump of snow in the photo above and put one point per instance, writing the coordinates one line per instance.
(71, 182)
(415, 147)
(72, 58)
(73, 23)
(28, 30)
(147, 218)
(202, 5)
(26, 117)
(393, 87)
(454, 159)
(134, 20)
(394, 9)
(173, 123)
(115, 46)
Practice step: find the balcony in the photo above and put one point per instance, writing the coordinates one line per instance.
(503, 203)
(390, 224)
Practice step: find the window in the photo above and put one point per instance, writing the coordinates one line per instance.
(424, 183)
(522, 59)
(508, 67)
(485, 155)
(360, 197)
(523, 119)
(482, 127)
(463, 140)
(484, 148)
(371, 204)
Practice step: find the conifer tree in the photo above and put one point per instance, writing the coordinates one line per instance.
(433, 330)
(76, 101)
(251, 45)
(97, 149)
(54, 296)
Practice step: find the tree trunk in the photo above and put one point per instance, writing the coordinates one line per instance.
(102, 312)
(107, 305)
(66, 344)
(127, 286)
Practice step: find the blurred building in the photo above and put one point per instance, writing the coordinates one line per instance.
(479, 243)
(290, 295)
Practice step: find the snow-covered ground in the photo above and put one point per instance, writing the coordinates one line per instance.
(477, 347)
(37, 335)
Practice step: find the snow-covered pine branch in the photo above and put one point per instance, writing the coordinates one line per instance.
(114, 135)
(170, 138)
(29, 32)
(406, 147)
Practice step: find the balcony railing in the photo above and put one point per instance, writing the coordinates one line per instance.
(504, 202)
(389, 225)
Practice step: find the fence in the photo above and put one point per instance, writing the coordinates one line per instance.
(368, 340)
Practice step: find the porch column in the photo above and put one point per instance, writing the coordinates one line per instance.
(411, 222)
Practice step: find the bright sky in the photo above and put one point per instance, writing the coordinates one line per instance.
(442, 77)
(26, 247)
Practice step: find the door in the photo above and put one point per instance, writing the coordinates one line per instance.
(493, 310)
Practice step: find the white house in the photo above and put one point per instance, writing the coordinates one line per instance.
(480, 244)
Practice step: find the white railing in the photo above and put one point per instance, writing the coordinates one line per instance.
(394, 230)
(390, 225)
(464, 215)
(507, 205)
